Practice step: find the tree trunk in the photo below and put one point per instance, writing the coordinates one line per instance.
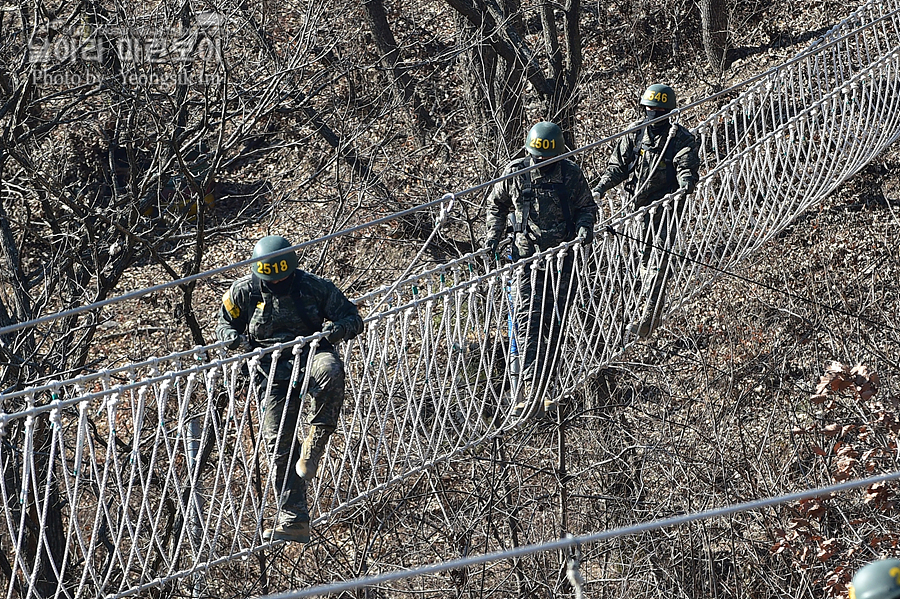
(506, 40)
(551, 42)
(479, 71)
(714, 17)
(567, 91)
(48, 520)
(15, 306)
(390, 56)
(493, 95)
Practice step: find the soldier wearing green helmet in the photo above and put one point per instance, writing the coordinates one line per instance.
(276, 303)
(545, 140)
(657, 159)
(877, 580)
(547, 206)
(659, 96)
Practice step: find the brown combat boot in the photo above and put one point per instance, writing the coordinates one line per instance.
(312, 451)
(550, 403)
(296, 532)
(524, 400)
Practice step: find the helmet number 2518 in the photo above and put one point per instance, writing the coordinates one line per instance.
(264, 268)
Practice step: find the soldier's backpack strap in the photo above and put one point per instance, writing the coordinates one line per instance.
(669, 159)
(298, 275)
(256, 296)
(528, 197)
(636, 150)
(562, 192)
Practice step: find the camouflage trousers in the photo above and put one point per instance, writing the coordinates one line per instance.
(658, 235)
(541, 306)
(282, 435)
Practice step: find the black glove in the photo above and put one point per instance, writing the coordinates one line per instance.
(688, 187)
(585, 235)
(491, 245)
(597, 194)
(233, 339)
(333, 332)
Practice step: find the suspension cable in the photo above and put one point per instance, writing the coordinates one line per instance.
(468, 191)
(611, 230)
(575, 541)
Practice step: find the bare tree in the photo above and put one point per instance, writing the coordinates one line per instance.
(714, 22)
(555, 88)
(389, 52)
(115, 124)
(107, 158)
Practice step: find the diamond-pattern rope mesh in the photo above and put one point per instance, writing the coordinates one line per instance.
(164, 476)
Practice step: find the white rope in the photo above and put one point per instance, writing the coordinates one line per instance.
(573, 570)
(570, 541)
(832, 36)
(434, 375)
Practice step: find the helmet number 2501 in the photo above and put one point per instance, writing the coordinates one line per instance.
(539, 143)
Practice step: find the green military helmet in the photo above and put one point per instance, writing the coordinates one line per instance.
(273, 268)
(659, 96)
(545, 139)
(877, 580)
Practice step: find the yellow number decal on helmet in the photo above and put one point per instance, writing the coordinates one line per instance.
(277, 268)
(229, 304)
(539, 143)
(895, 572)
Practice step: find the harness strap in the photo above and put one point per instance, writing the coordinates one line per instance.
(667, 157)
(561, 192)
(256, 296)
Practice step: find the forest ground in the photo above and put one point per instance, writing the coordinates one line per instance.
(720, 406)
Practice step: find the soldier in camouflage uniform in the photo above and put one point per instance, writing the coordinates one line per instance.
(274, 304)
(656, 160)
(547, 205)
(876, 580)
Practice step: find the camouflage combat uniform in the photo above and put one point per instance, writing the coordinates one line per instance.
(272, 313)
(634, 159)
(560, 204)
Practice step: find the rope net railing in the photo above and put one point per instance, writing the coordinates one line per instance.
(141, 476)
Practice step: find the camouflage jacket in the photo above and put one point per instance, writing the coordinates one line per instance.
(299, 307)
(542, 219)
(635, 156)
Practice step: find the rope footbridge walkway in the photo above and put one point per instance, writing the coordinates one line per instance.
(161, 476)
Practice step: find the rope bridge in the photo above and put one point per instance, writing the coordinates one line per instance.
(141, 476)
